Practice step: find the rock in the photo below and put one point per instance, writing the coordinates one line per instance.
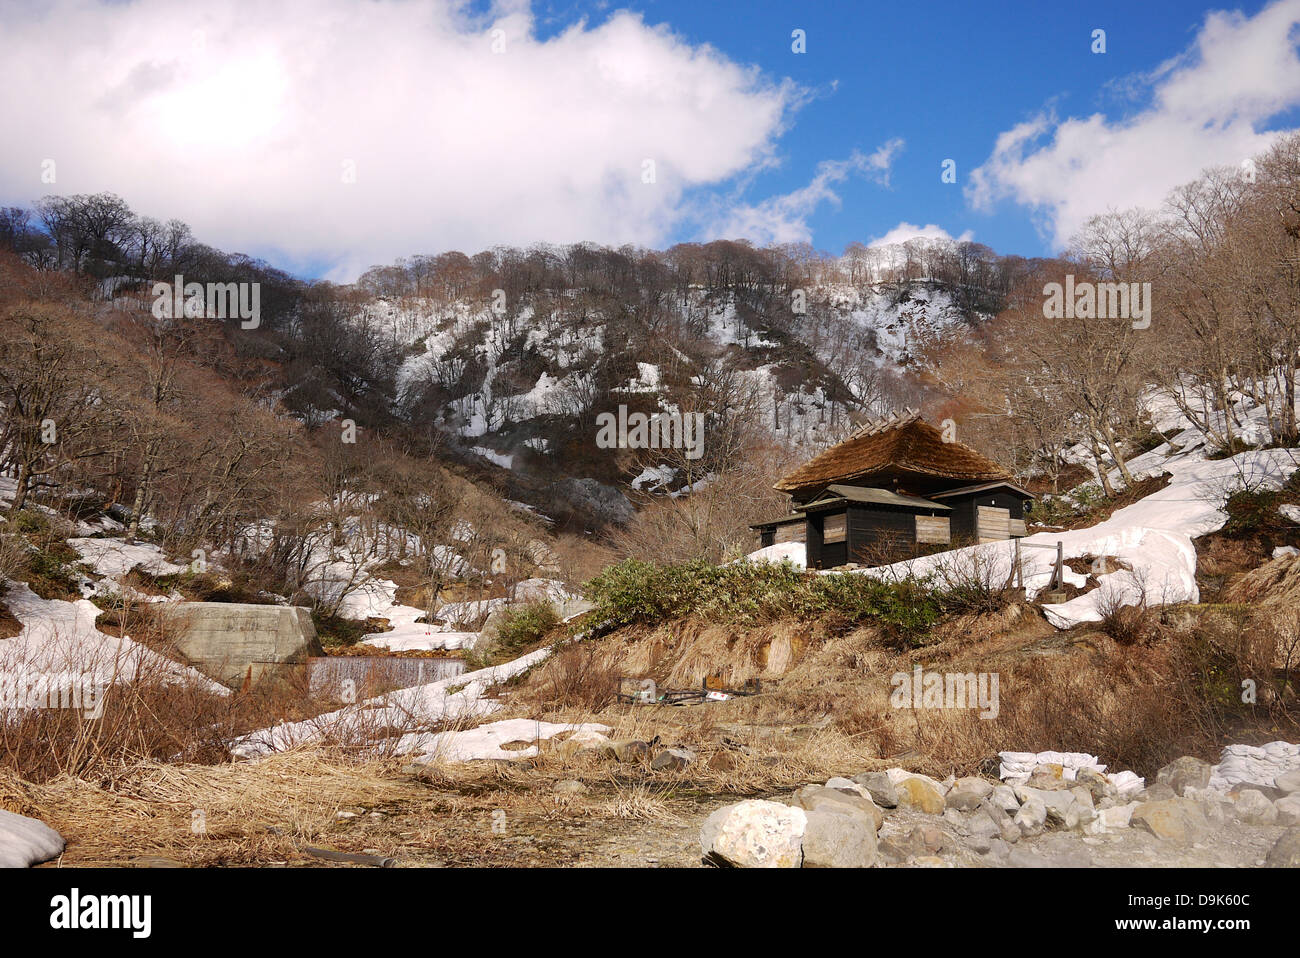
(967, 793)
(998, 849)
(723, 761)
(1288, 783)
(925, 796)
(631, 750)
(1022, 857)
(1173, 819)
(1031, 819)
(587, 743)
(26, 841)
(1008, 830)
(919, 842)
(1288, 810)
(812, 797)
(982, 831)
(1182, 772)
(1156, 792)
(672, 759)
(1286, 851)
(832, 839)
(1098, 785)
(570, 787)
(899, 775)
(1048, 777)
(930, 838)
(1004, 797)
(755, 834)
(1252, 808)
(1079, 815)
(880, 788)
(1268, 791)
(1112, 819)
(1059, 802)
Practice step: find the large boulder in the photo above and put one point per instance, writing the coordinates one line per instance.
(1178, 820)
(1185, 772)
(755, 834)
(967, 793)
(1288, 810)
(26, 841)
(813, 797)
(1286, 851)
(880, 787)
(1031, 818)
(237, 643)
(835, 839)
(920, 794)
(1252, 808)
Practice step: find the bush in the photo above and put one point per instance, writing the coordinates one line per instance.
(1252, 511)
(748, 593)
(335, 630)
(526, 624)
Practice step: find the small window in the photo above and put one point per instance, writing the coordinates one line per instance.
(833, 529)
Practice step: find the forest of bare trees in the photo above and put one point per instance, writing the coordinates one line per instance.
(209, 427)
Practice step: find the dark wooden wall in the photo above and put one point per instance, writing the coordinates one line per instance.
(963, 510)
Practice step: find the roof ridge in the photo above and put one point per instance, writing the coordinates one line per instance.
(893, 420)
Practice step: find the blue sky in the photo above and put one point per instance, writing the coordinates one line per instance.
(330, 135)
(945, 76)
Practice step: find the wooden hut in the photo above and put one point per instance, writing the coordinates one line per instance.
(892, 489)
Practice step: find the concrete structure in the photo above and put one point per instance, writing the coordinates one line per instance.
(239, 644)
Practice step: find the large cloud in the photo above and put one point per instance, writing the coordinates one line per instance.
(784, 218)
(238, 116)
(908, 231)
(1209, 107)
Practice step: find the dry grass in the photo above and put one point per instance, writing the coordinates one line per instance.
(208, 814)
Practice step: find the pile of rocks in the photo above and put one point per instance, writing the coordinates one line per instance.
(901, 817)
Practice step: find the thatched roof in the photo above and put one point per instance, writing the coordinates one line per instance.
(898, 447)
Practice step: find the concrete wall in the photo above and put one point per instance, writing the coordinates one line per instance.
(233, 642)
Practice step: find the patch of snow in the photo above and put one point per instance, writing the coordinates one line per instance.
(486, 741)
(59, 638)
(1153, 537)
(115, 557)
(419, 637)
(794, 552)
(368, 722)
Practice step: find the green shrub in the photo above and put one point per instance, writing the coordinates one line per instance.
(749, 593)
(31, 522)
(1252, 511)
(335, 630)
(526, 624)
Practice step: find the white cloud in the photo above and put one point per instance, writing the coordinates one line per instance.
(906, 231)
(1208, 107)
(784, 218)
(238, 117)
